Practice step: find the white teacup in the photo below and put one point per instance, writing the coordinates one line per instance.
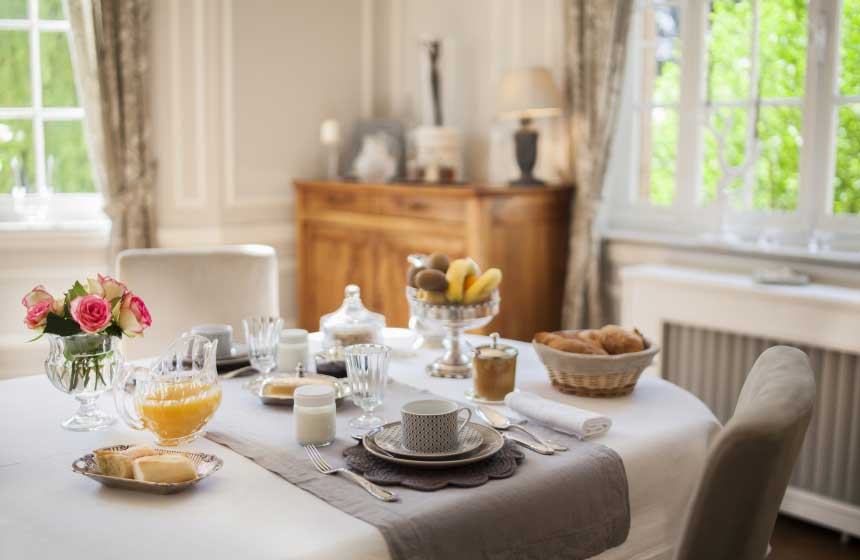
(222, 333)
(432, 425)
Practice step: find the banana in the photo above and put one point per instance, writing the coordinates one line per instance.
(458, 270)
(483, 286)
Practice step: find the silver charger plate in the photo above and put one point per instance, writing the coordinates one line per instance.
(205, 463)
(342, 390)
(492, 443)
(390, 438)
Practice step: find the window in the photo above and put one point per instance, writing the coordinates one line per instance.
(42, 146)
(743, 118)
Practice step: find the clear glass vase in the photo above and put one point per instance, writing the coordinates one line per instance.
(84, 365)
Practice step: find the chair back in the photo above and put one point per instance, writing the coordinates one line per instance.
(734, 508)
(187, 287)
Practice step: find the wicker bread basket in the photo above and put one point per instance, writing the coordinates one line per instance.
(590, 375)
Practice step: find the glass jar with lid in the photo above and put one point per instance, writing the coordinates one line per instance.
(495, 372)
(352, 323)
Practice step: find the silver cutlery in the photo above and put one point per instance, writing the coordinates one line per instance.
(536, 447)
(322, 466)
(501, 422)
(247, 370)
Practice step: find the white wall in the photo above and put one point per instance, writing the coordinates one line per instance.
(481, 40)
(240, 88)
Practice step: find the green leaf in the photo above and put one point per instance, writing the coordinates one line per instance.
(77, 290)
(113, 330)
(62, 326)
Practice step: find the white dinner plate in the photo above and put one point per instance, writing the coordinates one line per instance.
(492, 443)
(390, 438)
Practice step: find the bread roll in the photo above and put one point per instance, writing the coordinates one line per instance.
(544, 337)
(619, 341)
(575, 345)
(164, 468)
(119, 463)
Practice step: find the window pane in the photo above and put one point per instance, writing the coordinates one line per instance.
(782, 47)
(846, 185)
(66, 153)
(729, 36)
(50, 9)
(728, 124)
(657, 158)
(661, 54)
(16, 155)
(849, 75)
(778, 166)
(58, 81)
(14, 69)
(13, 9)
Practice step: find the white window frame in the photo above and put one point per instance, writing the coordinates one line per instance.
(685, 216)
(61, 207)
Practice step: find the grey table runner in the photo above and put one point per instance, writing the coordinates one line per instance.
(569, 505)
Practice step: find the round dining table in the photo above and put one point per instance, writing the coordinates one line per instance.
(660, 431)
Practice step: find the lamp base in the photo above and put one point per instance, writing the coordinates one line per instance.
(526, 141)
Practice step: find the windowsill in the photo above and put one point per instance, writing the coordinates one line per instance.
(76, 226)
(699, 243)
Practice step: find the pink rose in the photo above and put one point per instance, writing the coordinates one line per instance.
(92, 312)
(37, 314)
(107, 287)
(133, 315)
(37, 295)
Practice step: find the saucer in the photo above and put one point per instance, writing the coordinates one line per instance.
(390, 438)
(238, 357)
(493, 441)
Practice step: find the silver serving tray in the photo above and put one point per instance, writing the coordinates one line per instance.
(205, 464)
(341, 391)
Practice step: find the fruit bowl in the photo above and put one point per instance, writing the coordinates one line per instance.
(456, 362)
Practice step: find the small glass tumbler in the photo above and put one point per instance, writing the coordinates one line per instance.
(261, 336)
(367, 370)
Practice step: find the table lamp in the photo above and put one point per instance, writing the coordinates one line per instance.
(528, 94)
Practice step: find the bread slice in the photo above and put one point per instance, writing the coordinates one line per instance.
(164, 468)
(119, 463)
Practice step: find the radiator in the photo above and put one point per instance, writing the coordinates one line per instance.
(713, 365)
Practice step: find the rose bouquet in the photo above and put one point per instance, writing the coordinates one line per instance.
(84, 327)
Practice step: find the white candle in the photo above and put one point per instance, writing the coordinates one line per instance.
(315, 411)
(330, 132)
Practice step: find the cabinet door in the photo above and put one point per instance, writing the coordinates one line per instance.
(334, 256)
(392, 248)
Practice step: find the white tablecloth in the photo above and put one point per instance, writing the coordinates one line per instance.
(660, 431)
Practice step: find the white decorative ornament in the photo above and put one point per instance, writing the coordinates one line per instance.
(375, 163)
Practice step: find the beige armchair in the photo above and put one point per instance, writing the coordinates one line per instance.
(734, 509)
(187, 287)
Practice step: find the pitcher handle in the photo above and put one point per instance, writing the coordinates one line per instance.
(120, 398)
(466, 420)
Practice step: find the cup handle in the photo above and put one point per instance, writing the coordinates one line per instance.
(466, 420)
(120, 398)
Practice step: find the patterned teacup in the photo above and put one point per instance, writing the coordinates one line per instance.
(432, 426)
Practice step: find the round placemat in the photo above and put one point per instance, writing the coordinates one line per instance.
(501, 465)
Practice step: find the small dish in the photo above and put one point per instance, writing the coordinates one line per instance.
(390, 438)
(341, 390)
(492, 443)
(205, 464)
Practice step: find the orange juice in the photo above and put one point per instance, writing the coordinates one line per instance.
(177, 411)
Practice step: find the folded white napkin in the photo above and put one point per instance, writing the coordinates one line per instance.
(560, 417)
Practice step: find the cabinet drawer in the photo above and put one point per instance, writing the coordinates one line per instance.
(422, 206)
(342, 200)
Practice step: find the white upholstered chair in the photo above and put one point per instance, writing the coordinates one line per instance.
(187, 287)
(749, 464)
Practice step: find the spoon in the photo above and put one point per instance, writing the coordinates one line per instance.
(501, 422)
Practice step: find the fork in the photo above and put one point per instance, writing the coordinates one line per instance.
(322, 466)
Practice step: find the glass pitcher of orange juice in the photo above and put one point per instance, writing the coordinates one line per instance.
(176, 396)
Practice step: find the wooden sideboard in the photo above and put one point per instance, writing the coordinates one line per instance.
(358, 233)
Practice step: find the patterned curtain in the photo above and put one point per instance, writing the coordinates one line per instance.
(595, 49)
(110, 49)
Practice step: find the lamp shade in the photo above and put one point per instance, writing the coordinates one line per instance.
(528, 93)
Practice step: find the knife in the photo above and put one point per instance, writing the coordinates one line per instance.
(536, 447)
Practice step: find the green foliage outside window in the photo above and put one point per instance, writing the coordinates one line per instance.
(782, 37)
(67, 164)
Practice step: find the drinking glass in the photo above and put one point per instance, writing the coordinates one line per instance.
(261, 336)
(367, 370)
